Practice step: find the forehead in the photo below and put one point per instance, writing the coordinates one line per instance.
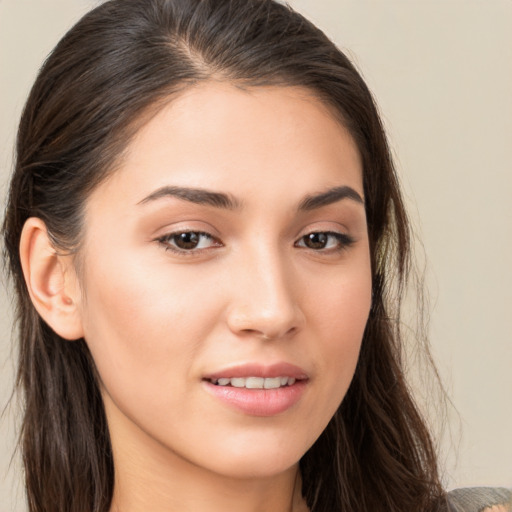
(237, 140)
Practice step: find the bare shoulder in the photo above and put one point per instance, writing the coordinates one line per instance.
(480, 499)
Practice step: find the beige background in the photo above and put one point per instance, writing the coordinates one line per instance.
(442, 75)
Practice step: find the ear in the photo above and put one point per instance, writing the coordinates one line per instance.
(51, 281)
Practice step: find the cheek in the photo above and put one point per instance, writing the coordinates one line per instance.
(143, 330)
(341, 314)
(339, 302)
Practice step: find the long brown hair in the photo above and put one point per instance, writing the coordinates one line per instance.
(120, 61)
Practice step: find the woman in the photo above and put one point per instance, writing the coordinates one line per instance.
(208, 245)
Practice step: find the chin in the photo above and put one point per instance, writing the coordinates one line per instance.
(259, 457)
(257, 467)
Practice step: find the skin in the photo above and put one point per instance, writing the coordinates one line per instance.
(157, 321)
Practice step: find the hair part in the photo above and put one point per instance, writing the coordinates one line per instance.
(108, 74)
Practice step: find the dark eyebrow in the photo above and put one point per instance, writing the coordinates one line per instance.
(195, 195)
(328, 197)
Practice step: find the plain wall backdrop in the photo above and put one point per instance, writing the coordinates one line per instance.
(441, 72)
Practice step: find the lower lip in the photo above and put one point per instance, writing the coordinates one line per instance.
(258, 402)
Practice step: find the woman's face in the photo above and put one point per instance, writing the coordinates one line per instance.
(225, 258)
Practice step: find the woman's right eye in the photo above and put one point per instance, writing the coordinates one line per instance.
(188, 241)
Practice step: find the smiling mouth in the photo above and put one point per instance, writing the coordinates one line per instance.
(254, 382)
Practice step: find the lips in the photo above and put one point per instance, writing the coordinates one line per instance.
(258, 390)
(259, 370)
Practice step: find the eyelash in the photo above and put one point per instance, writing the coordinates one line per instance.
(344, 241)
(167, 239)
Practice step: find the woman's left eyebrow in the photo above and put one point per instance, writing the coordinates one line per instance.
(330, 196)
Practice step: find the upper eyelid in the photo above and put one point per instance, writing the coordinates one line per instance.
(190, 225)
(201, 225)
(329, 231)
(169, 234)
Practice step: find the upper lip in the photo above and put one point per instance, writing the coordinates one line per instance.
(281, 369)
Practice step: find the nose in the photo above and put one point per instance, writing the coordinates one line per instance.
(264, 299)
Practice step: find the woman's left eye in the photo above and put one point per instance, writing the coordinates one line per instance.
(325, 240)
(188, 241)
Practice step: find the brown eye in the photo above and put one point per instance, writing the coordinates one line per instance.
(325, 240)
(316, 240)
(188, 241)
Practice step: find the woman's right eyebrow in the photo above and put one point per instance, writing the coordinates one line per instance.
(195, 195)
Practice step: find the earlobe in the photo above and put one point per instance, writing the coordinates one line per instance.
(51, 281)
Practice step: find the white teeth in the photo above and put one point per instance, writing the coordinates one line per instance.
(272, 383)
(238, 382)
(255, 382)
